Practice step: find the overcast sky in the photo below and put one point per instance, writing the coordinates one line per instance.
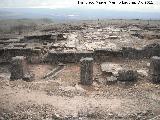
(54, 4)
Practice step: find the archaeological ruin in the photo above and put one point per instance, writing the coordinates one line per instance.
(90, 69)
(102, 44)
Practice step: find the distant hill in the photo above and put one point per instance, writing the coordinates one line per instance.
(72, 14)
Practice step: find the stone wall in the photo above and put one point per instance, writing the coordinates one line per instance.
(128, 52)
(7, 53)
(106, 54)
(72, 57)
(39, 38)
(151, 50)
(66, 57)
(146, 52)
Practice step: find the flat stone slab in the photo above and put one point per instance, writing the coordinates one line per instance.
(109, 67)
(86, 59)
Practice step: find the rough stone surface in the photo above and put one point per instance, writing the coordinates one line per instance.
(110, 68)
(66, 57)
(19, 68)
(111, 80)
(127, 75)
(86, 71)
(155, 69)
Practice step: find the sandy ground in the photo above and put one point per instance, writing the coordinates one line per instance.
(64, 98)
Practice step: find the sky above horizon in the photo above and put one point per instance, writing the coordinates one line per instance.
(55, 4)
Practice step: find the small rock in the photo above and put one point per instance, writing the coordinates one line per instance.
(148, 64)
(119, 116)
(79, 88)
(111, 115)
(143, 72)
(111, 80)
(56, 117)
(1, 118)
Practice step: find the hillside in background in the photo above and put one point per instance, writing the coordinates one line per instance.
(73, 14)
